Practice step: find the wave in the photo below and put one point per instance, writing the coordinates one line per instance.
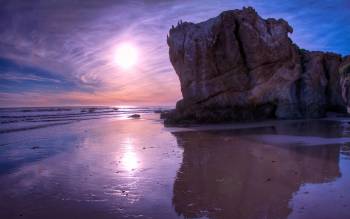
(19, 119)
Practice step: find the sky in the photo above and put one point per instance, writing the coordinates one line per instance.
(62, 52)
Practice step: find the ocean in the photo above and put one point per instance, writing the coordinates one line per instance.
(24, 118)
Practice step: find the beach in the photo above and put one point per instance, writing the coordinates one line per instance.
(103, 164)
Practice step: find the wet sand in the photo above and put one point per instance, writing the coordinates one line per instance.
(136, 168)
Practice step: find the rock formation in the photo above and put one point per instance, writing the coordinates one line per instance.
(344, 71)
(238, 66)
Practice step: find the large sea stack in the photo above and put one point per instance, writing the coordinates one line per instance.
(239, 66)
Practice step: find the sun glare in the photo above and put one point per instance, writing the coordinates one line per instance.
(129, 160)
(126, 55)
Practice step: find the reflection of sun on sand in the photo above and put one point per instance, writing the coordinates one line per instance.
(129, 160)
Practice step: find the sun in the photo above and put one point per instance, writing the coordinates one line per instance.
(126, 55)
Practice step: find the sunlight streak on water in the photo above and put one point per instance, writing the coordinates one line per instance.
(130, 160)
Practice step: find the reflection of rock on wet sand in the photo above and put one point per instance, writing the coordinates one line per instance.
(227, 176)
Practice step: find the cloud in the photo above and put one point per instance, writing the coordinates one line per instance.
(14, 76)
(76, 98)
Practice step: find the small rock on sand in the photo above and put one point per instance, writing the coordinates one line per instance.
(135, 116)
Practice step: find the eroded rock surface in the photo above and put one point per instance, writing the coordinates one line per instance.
(238, 66)
(344, 71)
